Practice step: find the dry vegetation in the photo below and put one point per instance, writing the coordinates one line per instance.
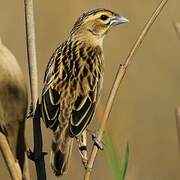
(38, 156)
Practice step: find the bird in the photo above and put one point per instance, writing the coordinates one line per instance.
(13, 105)
(73, 82)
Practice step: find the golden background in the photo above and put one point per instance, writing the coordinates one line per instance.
(143, 112)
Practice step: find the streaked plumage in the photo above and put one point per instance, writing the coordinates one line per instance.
(73, 81)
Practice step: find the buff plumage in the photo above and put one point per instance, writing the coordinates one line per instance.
(73, 81)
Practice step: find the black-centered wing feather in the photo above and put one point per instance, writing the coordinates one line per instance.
(83, 112)
(51, 108)
(50, 104)
(82, 119)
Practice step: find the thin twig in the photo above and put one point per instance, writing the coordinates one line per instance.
(177, 28)
(177, 110)
(37, 156)
(118, 79)
(12, 165)
(177, 114)
(31, 51)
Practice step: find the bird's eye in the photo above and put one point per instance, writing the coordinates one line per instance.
(104, 17)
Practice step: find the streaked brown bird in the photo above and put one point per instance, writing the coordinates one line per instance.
(73, 81)
(13, 104)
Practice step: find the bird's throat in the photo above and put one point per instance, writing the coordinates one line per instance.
(90, 38)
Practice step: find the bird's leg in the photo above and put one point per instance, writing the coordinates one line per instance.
(82, 141)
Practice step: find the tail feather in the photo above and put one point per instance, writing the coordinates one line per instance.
(60, 155)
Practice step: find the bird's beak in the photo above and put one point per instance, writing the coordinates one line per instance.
(118, 20)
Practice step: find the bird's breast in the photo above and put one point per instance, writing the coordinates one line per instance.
(86, 70)
(80, 69)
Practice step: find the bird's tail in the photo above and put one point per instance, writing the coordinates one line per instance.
(61, 152)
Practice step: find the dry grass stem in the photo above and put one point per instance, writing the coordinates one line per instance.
(37, 156)
(177, 114)
(118, 79)
(177, 29)
(31, 51)
(12, 165)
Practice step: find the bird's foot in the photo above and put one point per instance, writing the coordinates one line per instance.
(97, 142)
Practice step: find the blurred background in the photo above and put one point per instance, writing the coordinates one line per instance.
(143, 112)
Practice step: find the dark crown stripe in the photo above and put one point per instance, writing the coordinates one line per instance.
(87, 14)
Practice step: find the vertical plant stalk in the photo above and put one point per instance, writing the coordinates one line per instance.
(12, 165)
(177, 29)
(118, 79)
(31, 51)
(177, 114)
(37, 156)
(177, 110)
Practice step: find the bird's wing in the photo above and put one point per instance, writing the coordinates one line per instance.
(85, 105)
(51, 69)
(50, 107)
(50, 103)
(82, 113)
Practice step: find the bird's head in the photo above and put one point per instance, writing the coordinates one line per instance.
(95, 24)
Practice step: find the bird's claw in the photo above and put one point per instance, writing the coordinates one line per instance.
(98, 143)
